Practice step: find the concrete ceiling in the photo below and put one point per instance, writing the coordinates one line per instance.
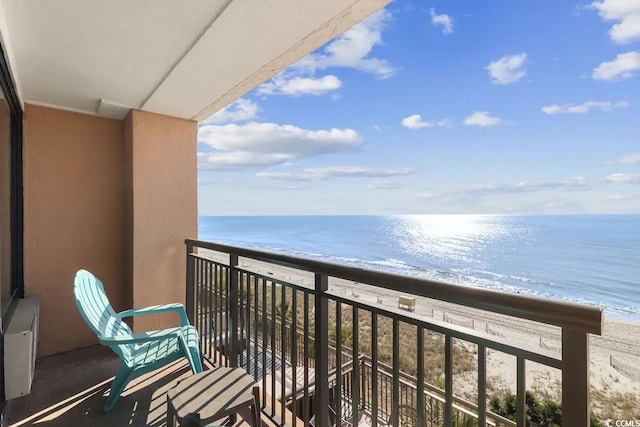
(181, 58)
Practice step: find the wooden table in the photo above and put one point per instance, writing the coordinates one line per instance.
(212, 395)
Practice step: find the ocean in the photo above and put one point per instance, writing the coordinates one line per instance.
(589, 259)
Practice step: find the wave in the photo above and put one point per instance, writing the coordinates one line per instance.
(474, 275)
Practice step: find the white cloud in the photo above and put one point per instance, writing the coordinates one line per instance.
(297, 86)
(623, 178)
(627, 15)
(582, 108)
(328, 172)
(349, 50)
(238, 160)
(353, 48)
(427, 196)
(618, 197)
(623, 67)
(631, 159)
(239, 110)
(287, 187)
(482, 118)
(266, 144)
(415, 122)
(478, 189)
(285, 176)
(444, 20)
(508, 69)
(578, 183)
(385, 185)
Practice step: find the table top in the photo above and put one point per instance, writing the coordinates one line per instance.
(213, 394)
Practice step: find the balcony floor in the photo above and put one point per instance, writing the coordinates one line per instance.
(69, 389)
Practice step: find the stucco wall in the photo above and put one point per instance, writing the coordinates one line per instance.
(73, 216)
(162, 208)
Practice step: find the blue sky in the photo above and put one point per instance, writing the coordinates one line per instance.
(438, 107)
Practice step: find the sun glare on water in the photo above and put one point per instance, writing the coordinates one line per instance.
(447, 237)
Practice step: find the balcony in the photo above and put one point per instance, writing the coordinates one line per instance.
(324, 356)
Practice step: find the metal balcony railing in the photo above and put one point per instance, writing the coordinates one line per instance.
(298, 340)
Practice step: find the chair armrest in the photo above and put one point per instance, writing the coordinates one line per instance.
(155, 309)
(141, 337)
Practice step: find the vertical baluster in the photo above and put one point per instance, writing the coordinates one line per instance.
(294, 355)
(482, 385)
(321, 350)
(264, 343)
(364, 393)
(521, 414)
(283, 349)
(273, 346)
(255, 327)
(374, 369)
(338, 394)
(227, 316)
(214, 314)
(245, 322)
(387, 394)
(240, 324)
(224, 317)
(204, 303)
(395, 390)
(246, 332)
(234, 309)
(216, 309)
(420, 365)
(448, 380)
(355, 371)
(190, 296)
(210, 287)
(200, 295)
(305, 341)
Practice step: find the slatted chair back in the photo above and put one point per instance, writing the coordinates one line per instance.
(95, 309)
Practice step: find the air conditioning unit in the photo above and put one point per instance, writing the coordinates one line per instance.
(20, 345)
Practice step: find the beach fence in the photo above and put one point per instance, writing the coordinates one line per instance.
(467, 323)
(630, 371)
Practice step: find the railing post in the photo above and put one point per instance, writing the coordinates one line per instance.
(575, 378)
(234, 311)
(190, 285)
(321, 351)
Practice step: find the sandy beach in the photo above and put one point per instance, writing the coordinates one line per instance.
(615, 390)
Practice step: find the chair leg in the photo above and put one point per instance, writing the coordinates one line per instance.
(123, 376)
(195, 361)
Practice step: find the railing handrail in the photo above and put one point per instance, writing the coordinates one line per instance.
(577, 317)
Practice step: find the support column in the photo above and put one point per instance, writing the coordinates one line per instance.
(161, 210)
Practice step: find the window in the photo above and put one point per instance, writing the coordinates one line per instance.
(11, 273)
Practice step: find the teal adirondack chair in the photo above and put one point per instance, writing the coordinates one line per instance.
(139, 353)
